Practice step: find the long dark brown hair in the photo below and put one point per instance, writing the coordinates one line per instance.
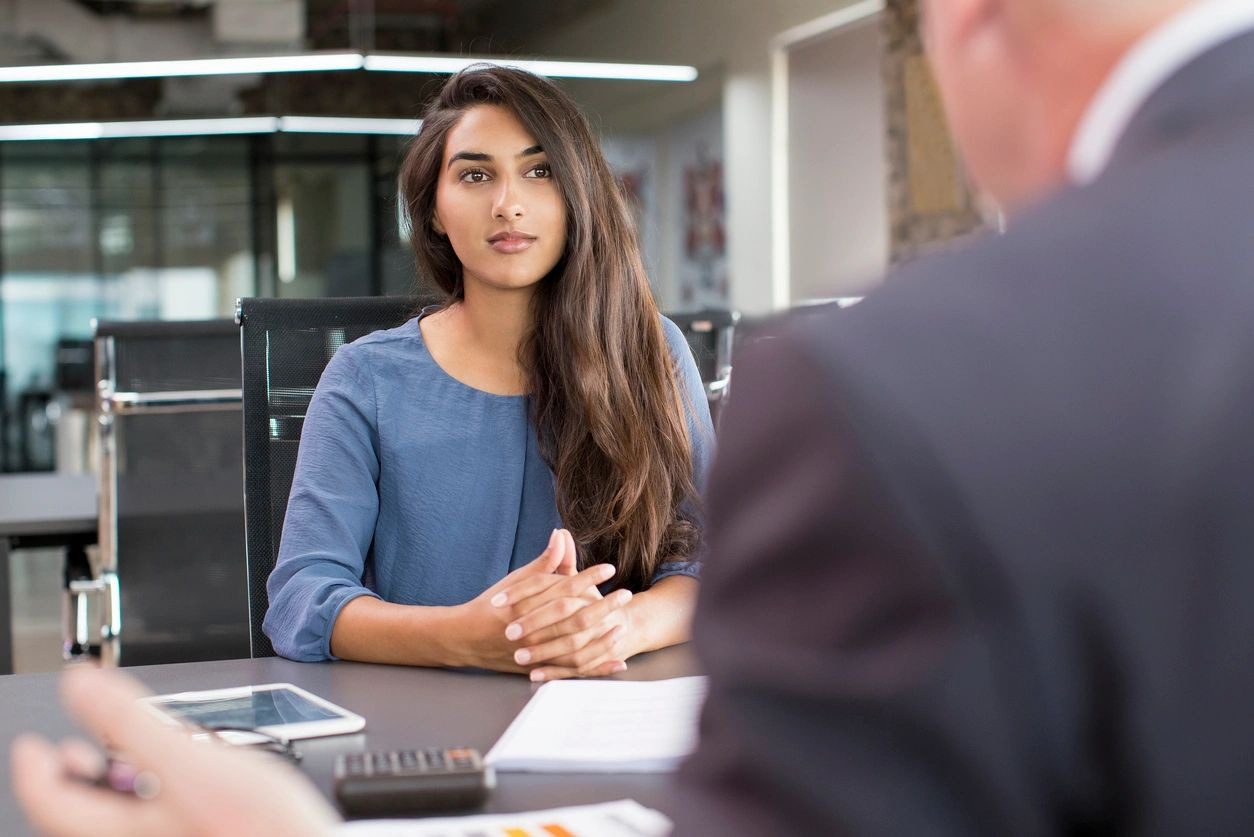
(608, 414)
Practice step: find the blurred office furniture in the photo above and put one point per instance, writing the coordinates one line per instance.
(35, 443)
(286, 343)
(711, 335)
(38, 511)
(5, 462)
(73, 406)
(52, 421)
(171, 583)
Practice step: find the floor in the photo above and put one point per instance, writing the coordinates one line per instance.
(35, 582)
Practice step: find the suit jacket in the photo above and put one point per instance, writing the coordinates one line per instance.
(982, 547)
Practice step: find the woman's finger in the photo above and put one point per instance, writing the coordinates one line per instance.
(605, 669)
(543, 564)
(565, 649)
(540, 627)
(523, 588)
(570, 558)
(592, 654)
(550, 613)
(575, 585)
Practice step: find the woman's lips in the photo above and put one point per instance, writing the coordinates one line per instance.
(511, 244)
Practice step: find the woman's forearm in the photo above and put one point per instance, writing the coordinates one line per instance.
(662, 615)
(370, 630)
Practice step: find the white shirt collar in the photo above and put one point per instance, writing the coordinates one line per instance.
(1146, 67)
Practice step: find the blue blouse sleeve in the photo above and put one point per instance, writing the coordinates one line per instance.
(331, 513)
(701, 434)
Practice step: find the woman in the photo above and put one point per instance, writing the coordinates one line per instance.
(546, 410)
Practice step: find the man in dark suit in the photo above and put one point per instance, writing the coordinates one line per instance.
(982, 545)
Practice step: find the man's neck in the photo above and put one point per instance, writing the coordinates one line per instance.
(1073, 62)
(1157, 50)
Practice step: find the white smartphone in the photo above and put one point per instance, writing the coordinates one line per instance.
(279, 710)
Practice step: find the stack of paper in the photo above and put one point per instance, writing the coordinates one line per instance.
(624, 818)
(609, 726)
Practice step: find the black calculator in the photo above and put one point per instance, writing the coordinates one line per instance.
(400, 782)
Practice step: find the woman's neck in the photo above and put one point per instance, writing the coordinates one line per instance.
(495, 322)
(476, 341)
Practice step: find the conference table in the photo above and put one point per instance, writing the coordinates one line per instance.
(403, 707)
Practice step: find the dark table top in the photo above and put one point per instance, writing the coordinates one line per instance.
(47, 504)
(403, 707)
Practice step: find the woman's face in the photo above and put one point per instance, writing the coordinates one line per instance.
(497, 202)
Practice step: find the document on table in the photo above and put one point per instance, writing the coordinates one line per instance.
(624, 818)
(607, 726)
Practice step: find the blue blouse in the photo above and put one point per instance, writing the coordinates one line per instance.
(413, 487)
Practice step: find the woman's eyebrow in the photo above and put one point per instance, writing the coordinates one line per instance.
(480, 157)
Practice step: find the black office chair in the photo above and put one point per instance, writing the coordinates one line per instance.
(286, 344)
(170, 584)
(711, 335)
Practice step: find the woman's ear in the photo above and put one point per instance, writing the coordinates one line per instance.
(436, 225)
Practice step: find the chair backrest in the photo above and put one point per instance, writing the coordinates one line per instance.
(711, 336)
(171, 528)
(285, 345)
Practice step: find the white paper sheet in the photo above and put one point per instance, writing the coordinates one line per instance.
(624, 818)
(612, 726)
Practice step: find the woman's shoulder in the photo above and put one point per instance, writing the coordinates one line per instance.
(674, 334)
(404, 340)
(379, 353)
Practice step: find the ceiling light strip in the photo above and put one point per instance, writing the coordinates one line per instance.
(210, 127)
(310, 62)
(383, 62)
(348, 125)
(329, 62)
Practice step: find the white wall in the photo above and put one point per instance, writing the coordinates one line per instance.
(837, 207)
(662, 163)
(729, 41)
(638, 156)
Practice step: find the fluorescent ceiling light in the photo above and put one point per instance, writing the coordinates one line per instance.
(557, 69)
(211, 127)
(309, 62)
(347, 125)
(333, 61)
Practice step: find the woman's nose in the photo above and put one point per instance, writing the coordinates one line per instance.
(507, 205)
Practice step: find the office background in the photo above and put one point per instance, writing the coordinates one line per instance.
(808, 153)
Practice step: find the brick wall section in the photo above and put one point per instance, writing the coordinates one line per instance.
(928, 197)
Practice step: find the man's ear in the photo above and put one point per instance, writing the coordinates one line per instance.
(965, 18)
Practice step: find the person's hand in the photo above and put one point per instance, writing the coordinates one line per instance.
(484, 619)
(573, 632)
(561, 637)
(199, 788)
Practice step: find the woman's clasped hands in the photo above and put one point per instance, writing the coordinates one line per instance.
(550, 620)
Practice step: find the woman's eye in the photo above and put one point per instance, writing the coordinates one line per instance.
(474, 176)
(541, 171)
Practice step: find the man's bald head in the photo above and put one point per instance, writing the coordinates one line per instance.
(1018, 75)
